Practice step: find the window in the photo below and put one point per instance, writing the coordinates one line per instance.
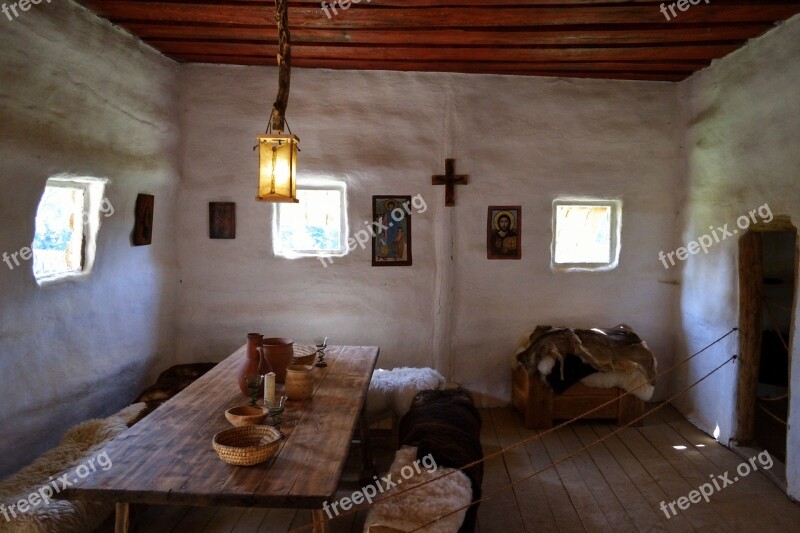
(316, 226)
(585, 234)
(67, 220)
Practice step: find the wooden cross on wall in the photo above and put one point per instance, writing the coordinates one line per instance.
(450, 180)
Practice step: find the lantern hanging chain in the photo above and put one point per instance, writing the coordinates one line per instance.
(284, 66)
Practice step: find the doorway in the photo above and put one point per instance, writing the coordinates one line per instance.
(768, 262)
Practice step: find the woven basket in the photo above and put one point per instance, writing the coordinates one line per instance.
(304, 354)
(247, 445)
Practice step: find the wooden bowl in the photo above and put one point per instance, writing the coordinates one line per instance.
(246, 414)
(247, 445)
(304, 354)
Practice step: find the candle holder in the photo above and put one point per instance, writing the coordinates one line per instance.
(254, 382)
(321, 343)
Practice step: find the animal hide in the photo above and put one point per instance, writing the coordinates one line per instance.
(618, 357)
(446, 425)
(171, 381)
(80, 443)
(393, 390)
(422, 504)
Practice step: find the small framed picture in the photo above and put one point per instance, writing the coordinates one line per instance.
(222, 220)
(391, 243)
(504, 232)
(143, 220)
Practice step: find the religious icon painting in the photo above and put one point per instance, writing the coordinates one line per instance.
(504, 232)
(391, 241)
(222, 220)
(143, 220)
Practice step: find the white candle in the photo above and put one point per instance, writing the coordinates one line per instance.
(269, 390)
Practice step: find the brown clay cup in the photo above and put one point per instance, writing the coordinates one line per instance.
(279, 352)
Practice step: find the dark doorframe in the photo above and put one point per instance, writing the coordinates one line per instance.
(751, 295)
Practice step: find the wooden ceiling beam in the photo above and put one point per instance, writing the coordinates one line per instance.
(623, 72)
(436, 17)
(454, 37)
(355, 53)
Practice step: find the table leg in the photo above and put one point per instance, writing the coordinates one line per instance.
(367, 467)
(318, 517)
(122, 522)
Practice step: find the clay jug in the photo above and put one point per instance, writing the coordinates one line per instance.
(279, 352)
(253, 364)
(299, 383)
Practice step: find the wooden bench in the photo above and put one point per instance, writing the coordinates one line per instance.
(540, 406)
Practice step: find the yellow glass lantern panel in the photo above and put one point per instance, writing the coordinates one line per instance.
(277, 168)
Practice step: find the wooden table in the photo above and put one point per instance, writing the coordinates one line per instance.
(167, 458)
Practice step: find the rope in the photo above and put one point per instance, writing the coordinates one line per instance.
(577, 452)
(284, 65)
(541, 434)
(775, 323)
(770, 413)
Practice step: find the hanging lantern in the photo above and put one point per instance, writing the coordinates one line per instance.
(277, 152)
(277, 168)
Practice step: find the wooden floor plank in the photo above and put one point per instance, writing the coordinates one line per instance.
(530, 494)
(615, 514)
(756, 490)
(500, 512)
(691, 464)
(582, 498)
(642, 514)
(224, 520)
(282, 520)
(640, 477)
(250, 520)
(564, 513)
(195, 520)
(166, 516)
(674, 485)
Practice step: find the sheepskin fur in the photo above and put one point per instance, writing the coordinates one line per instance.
(425, 504)
(79, 444)
(391, 391)
(635, 382)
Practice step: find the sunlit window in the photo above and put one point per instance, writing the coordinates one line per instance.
(316, 226)
(58, 241)
(585, 234)
(65, 227)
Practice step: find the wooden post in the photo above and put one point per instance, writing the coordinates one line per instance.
(122, 522)
(751, 279)
(318, 518)
(367, 466)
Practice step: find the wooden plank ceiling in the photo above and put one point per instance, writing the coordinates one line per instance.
(630, 39)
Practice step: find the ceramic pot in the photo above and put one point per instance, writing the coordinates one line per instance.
(299, 382)
(279, 352)
(253, 364)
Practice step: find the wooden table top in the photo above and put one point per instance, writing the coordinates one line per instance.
(167, 458)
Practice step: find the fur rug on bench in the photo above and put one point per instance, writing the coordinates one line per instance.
(423, 504)
(78, 445)
(391, 391)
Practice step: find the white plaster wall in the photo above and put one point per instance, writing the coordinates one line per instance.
(377, 132)
(79, 96)
(528, 141)
(742, 130)
(521, 140)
